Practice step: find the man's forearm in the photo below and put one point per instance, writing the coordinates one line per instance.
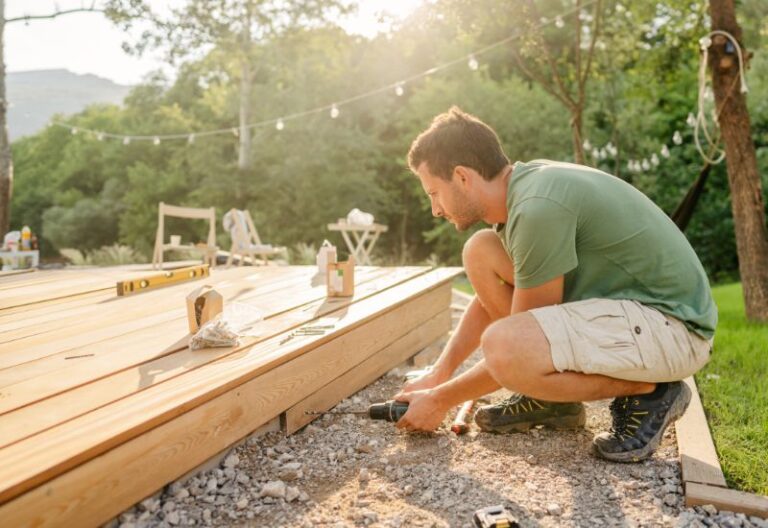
(464, 340)
(471, 385)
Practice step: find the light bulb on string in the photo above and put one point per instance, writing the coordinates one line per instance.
(100, 136)
(587, 145)
(156, 141)
(236, 132)
(595, 154)
(334, 111)
(472, 63)
(126, 140)
(611, 148)
(655, 160)
(74, 131)
(559, 22)
(665, 151)
(191, 139)
(646, 165)
(677, 138)
(399, 90)
(691, 120)
(603, 153)
(279, 125)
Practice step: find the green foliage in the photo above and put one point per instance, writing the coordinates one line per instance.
(114, 255)
(735, 395)
(77, 191)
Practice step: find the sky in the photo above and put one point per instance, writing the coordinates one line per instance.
(88, 43)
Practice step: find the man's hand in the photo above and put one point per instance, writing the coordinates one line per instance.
(430, 380)
(425, 411)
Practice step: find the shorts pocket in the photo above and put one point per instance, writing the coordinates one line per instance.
(604, 342)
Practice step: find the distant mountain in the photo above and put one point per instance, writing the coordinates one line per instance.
(35, 96)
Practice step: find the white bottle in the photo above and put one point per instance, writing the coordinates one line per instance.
(325, 255)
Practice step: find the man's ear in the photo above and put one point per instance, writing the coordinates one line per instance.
(463, 175)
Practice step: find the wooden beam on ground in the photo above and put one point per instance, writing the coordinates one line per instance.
(698, 457)
(726, 499)
(222, 403)
(364, 373)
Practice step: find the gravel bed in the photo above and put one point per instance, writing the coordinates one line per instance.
(345, 471)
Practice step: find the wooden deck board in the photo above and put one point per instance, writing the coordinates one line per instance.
(65, 442)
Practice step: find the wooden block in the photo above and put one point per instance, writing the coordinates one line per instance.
(361, 326)
(726, 499)
(99, 488)
(363, 374)
(431, 352)
(698, 457)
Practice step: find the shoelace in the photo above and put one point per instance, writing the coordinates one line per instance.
(516, 402)
(625, 419)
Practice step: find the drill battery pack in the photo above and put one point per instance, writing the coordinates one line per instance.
(494, 517)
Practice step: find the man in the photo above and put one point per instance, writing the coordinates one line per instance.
(585, 290)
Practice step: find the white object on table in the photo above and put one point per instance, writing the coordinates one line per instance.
(360, 239)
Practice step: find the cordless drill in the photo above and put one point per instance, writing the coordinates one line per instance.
(390, 411)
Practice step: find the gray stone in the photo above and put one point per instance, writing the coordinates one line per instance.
(212, 484)
(363, 476)
(670, 499)
(173, 518)
(181, 494)
(291, 494)
(757, 521)
(709, 509)
(242, 503)
(554, 509)
(231, 461)
(274, 489)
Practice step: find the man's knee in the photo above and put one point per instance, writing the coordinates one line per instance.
(478, 247)
(515, 351)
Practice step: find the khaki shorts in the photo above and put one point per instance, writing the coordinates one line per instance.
(621, 339)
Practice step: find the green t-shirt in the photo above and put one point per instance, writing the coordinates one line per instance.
(607, 238)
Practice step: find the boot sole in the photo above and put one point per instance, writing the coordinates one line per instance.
(560, 423)
(675, 412)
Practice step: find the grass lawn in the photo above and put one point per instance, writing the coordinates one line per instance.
(734, 390)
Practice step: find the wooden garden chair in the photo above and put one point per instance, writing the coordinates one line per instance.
(246, 240)
(208, 249)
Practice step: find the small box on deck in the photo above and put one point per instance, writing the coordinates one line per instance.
(203, 304)
(340, 278)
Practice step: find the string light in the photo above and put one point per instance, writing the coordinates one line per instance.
(470, 60)
(677, 138)
(279, 125)
(665, 151)
(587, 145)
(100, 136)
(235, 132)
(655, 160)
(126, 141)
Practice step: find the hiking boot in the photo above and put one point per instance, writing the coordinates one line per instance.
(519, 413)
(639, 422)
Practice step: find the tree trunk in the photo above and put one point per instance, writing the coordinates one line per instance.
(576, 134)
(6, 164)
(244, 158)
(744, 180)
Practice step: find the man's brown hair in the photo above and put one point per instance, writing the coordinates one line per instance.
(457, 138)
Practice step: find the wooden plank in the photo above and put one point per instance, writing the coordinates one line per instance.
(97, 279)
(37, 380)
(40, 321)
(39, 458)
(373, 367)
(726, 499)
(122, 317)
(698, 457)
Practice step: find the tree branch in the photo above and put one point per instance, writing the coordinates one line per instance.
(595, 35)
(541, 80)
(27, 18)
